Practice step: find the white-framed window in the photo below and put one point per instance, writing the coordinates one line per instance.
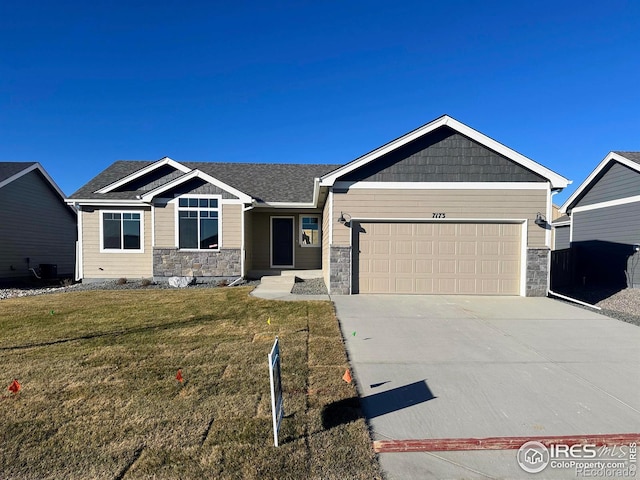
(310, 230)
(198, 222)
(121, 231)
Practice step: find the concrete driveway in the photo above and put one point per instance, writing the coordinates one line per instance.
(435, 367)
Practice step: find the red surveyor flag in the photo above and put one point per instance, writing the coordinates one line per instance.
(179, 376)
(15, 386)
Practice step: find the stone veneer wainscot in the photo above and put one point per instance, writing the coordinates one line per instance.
(171, 262)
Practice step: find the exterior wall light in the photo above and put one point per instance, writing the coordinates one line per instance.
(343, 220)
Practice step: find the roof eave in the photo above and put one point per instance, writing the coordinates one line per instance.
(143, 171)
(589, 181)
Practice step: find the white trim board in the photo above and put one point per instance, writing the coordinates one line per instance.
(437, 220)
(91, 202)
(557, 181)
(610, 203)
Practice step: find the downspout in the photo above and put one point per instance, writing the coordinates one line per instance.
(549, 235)
(80, 246)
(551, 293)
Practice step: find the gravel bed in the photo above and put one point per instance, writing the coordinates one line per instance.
(622, 305)
(312, 286)
(109, 285)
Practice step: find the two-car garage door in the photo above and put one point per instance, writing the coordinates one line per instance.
(437, 258)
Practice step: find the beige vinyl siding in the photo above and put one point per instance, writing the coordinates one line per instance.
(454, 204)
(164, 218)
(305, 258)
(35, 224)
(97, 264)
(231, 225)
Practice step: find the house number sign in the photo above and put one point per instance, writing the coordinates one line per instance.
(438, 215)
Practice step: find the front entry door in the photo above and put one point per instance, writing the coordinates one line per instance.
(282, 242)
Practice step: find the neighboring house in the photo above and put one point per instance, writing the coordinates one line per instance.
(561, 232)
(37, 228)
(442, 209)
(604, 223)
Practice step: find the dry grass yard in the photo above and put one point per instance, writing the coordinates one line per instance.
(100, 398)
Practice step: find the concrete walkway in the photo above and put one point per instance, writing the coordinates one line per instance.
(278, 287)
(456, 367)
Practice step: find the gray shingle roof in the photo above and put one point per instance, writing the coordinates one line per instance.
(267, 182)
(633, 156)
(9, 169)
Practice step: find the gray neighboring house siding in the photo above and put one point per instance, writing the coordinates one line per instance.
(604, 236)
(36, 225)
(618, 181)
(563, 237)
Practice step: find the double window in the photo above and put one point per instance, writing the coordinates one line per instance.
(198, 223)
(122, 231)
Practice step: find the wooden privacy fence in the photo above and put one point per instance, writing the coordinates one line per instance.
(562, 268)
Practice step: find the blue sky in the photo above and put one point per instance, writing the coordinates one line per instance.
(83, 84)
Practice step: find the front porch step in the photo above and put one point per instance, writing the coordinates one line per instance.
(304, 274)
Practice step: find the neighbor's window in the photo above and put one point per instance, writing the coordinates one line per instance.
(310, 230)
(198, 223)
(121, 231)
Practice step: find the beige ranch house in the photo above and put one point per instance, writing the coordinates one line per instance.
(443, 209)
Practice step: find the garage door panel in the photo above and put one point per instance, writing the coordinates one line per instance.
(380, 265)
(467, 266)
(509, 267)
(510, 248)
(490, 230)
(447, 247)
(424, 229)
(446, 266)
(467, 286)
(404, 285)
(468, 248)
(439, 258)
(424, 285)
(405, 266)
(467, 229)
(490, 248)
(423, 247)
(382, 247)
(489, 286)
(446, 285)
(423, 265)
(403, 247)
(490, 267)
